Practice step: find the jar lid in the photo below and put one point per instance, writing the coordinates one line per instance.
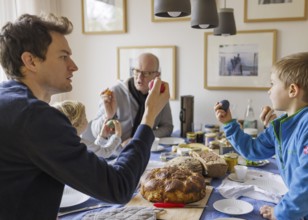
(231, 155)
(209, 126)
(210, 135)
(251, 131)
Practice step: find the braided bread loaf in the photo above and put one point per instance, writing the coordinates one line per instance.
(172, 184)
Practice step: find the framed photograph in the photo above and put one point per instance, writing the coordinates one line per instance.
(103, 16)
(239, 62)
(275, 10)
(128, 58)
(162, 19)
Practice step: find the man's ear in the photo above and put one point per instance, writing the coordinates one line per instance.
(29, 61)
(293, 90)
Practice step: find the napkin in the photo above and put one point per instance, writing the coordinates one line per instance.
(128, 213)
(259, 185)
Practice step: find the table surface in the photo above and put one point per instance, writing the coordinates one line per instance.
(208, 213)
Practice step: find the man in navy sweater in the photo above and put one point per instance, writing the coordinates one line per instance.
(40, 151)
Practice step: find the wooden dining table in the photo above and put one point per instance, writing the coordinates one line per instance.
(208, 213)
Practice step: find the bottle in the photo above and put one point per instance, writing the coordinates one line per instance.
(249, 119)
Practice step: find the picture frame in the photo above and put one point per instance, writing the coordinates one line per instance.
(265, 11)
(127, 58)
(165, 19)
(239, 62)
(104, 16)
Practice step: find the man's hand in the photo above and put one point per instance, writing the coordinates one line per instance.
(110, 103)
(155, 102)
(267, 212)
(267, 115)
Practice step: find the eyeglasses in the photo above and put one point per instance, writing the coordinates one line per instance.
(136, 72)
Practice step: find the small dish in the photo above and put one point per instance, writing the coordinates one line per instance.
(229, 219)
(167, 156)
(171, 141)
(72, 197)
(233, 177)
(158, 149)
(260, 163)
(233, 206)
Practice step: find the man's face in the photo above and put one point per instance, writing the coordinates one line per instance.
(144, 73)
(55, 72)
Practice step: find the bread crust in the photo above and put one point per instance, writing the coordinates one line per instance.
(172, 184)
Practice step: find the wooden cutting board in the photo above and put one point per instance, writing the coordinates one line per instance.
(175, 213)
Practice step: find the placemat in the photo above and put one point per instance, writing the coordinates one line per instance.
(175, 213)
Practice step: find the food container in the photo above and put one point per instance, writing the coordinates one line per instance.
(200, 137)
(210, 128)
(167, 156)
(209, 137)
(231, 159)
(191, 137)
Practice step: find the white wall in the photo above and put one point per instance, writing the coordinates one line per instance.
(96, 56)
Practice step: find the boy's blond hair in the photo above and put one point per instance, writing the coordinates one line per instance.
(74, 110)
(294, 69)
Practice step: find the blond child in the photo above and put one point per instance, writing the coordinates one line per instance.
(286, 137)
(107, 143)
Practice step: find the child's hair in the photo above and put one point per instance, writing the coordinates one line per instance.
(74, 110)
(294, 69)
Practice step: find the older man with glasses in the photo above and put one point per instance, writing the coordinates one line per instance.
(126, 103)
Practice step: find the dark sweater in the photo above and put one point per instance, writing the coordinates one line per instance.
(40, 152)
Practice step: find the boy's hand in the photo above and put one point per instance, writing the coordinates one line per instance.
(267, 115)
(267, 212)
(222, 115)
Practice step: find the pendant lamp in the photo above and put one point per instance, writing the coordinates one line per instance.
(204, 14)
(172, 8)
(226, 25)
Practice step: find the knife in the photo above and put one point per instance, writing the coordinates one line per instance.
(83, 209)
(176, 205)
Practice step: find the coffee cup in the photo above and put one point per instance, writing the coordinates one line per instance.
(241, 172)
(155, 144)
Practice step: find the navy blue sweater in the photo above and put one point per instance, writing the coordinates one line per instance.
(40, 152)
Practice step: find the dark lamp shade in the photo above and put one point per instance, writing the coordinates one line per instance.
(172, 8)
(226, 25)
(204, 14)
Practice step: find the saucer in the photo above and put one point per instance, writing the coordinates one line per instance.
(158, 149)
(233, 206)
(233, 177)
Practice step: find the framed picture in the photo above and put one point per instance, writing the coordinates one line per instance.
(103, 16)
(128, 58)
(275, 10)
(239, 62)
(163, 19)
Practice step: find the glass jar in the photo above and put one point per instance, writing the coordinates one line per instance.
(232, 160)
(191, 137)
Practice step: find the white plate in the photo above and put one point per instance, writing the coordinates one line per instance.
(171, 141)
(261, 163)
(233, 177)
(72, 197)
(233, 206)
(229, 219)
(159, 148)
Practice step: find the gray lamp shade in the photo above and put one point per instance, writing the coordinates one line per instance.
(172, 8)
(204, 14)
(226, 22)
